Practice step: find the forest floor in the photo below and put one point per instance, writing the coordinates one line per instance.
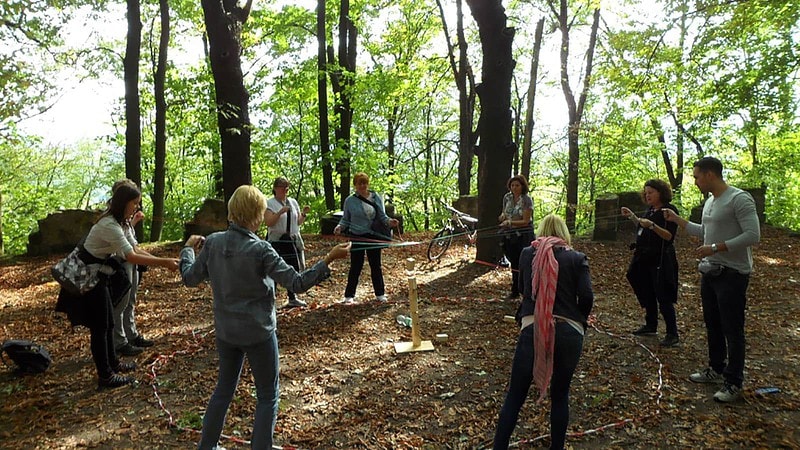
(344, 386)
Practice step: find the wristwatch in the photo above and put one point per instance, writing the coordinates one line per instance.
(714, 248)
(653, 226)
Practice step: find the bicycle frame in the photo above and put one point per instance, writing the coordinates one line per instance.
(459, 223)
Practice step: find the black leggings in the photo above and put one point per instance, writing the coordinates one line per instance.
(102, 330)
(373, 254)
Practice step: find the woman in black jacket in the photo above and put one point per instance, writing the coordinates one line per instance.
(556, 301)
(653, 272)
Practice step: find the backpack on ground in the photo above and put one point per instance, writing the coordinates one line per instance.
(28, 356)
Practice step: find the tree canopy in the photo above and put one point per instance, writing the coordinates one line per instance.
(671, 81)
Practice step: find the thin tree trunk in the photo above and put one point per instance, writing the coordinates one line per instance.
(159, 80)
(133, 126)
(322, 94)
(342, 82)
(224, 20)
(2, 245)
(574, 108)
(216, 156)
(532, 83)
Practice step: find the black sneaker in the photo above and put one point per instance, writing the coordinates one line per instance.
(114, 381)
(125, 367)
(129, 350)
(140, 341)
(670, 340)
(644, 330)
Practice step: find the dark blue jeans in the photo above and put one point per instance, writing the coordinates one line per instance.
(567, 352)
(263, 359)
(724, 301)
(373, 253)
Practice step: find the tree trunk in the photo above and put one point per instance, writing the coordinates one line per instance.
(494, 125)
(392, 124)
(216, 159)
(342, 82)
(2, 246)
(322, 94)
(224, 21)
(575, 109)
(462, 73)
(529, 122)
(133, 126)
(159, 80)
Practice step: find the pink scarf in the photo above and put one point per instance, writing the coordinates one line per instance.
(545, 280)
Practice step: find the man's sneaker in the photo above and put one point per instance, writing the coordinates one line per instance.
(348, 300)
(670, 340)
(113, 381)
(708, 375)
(296, 303)
(129, 350)
(644, 330)
(140, 341)
(381, 298)
(728, 393)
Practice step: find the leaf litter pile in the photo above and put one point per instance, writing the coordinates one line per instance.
(344, 386)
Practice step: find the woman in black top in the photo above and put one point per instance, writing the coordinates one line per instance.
(653, 272)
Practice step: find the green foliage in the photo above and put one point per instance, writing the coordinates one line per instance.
(36, 180)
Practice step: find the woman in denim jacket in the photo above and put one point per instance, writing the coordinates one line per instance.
(243, 270)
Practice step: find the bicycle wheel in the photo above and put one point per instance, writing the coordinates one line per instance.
(439, 244)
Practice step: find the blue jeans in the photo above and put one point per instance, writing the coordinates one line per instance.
(567, 352)
(263, 358)
(724, 300)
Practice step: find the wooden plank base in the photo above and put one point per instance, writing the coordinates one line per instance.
(406, 347)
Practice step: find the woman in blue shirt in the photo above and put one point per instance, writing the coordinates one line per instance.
(360, 210)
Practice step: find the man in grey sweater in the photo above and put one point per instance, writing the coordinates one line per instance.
(729, 229)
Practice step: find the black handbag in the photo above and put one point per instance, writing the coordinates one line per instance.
(377, 228)
(285, 245)
(28, 356)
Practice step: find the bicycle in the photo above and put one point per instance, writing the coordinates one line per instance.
(459, 224)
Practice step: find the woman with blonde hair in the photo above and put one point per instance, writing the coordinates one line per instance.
(243, 270)
(556, 301)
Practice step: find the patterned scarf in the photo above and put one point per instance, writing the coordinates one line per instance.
(545, 280)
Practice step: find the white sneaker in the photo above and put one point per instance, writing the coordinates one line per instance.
(728, 393)
(382, 298)
(707, 375)
(348, 300)
(296, 302)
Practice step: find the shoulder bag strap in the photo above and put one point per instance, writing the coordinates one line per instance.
(289, 217)
(369, 202)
